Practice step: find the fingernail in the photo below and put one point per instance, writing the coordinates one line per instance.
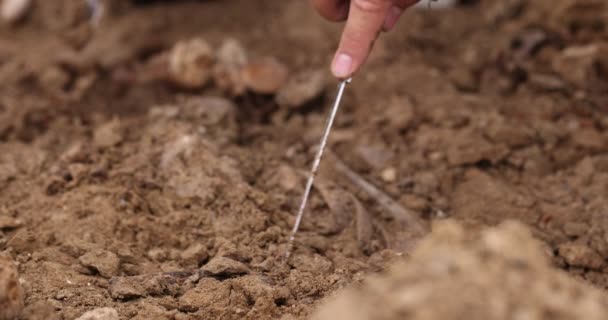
(342, 65)
(391, 18)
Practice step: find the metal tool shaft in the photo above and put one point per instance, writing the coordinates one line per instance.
(316, 163)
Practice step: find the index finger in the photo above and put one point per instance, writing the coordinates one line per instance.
(365, 20)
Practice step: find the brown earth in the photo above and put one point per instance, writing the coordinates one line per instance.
(119, 188)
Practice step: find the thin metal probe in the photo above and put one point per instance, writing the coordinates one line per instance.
(316, 163)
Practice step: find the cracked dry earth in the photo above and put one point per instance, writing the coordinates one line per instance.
(150, 167)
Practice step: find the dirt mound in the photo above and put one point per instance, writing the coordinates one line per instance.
(502, 273)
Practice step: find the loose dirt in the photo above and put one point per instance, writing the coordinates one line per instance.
(124, 188)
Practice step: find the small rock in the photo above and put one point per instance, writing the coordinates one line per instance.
(195, 254)
(191, 63)
(105, 262)
(580, 255)
(108, 134)
(232, 53)
(100, 314)
(265, 76)
(11, 292)
(389, 174)
(231, 59)
(209, 295)
(222, 266)
(14, 10)
(7, 222)
(63, 294)
(577, 65)
(124, 288)
(301, 89)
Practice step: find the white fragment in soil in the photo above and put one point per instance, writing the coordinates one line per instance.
(232, 53)
(11, 292)
(191, 63)
(100, 314)
(389, 174)
(231, 59)
(182, 145)
(14, 10)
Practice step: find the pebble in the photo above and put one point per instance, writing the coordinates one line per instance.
(232, 52)
(195, 254)
(389, 174)
(9, 223)
(222, 266)
(11, 292)
(108, 134)
(265, 76)
(124, 288)
(105, 262)
(100, 314)
(191, 63)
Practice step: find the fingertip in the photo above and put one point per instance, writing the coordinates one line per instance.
(342, 66)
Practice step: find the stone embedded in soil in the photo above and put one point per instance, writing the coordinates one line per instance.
(301, 89)
(389, 174)
(191, 63)
(498, 274)
(265, 76)
(578, 64)
(125, 288)
(100, 314)
(108, 134)
(7, 222)
(105, 262)
(11, 293)
(11, 11)
(195, 254)
(231, 59)
(231, 52)
(580, 255)
(222, 266)
(209, 294)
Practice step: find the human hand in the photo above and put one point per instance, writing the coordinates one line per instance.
(364, 20)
